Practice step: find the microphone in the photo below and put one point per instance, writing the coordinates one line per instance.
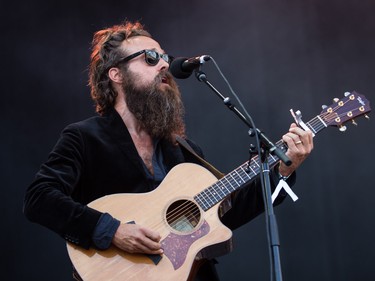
(183, 67)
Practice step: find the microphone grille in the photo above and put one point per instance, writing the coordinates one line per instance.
(175, 68)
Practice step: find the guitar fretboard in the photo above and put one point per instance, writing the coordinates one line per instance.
(246, 173)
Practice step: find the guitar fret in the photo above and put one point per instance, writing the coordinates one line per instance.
(252, 170)
(198, 199)
(253, 173)
(240, 181)
(220, 190)
(231, 187)
(234, 181)
(255, 167)
(311, 128)
(273, 159)
(214, 194)
(317, 123)
(207, 195)
(241, 177)
(244, 172)
(203, 199)
(224, 188)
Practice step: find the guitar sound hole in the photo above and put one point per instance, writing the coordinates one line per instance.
(183, 215)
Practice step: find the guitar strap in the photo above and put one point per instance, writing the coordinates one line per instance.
(207, 165)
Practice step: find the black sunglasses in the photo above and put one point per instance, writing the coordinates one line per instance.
(151, 57)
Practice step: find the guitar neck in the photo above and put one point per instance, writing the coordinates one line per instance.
(246, 172)
(349, 107)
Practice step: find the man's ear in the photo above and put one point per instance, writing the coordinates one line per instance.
(115, 75)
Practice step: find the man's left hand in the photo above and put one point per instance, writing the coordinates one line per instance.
(300, 144)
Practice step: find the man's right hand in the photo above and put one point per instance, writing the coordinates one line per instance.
(134, 238)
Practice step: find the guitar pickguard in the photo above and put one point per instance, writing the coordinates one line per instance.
(176, 246)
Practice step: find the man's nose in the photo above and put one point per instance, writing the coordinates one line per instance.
(163, 65)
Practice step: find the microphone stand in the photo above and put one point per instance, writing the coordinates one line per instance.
(267, 148)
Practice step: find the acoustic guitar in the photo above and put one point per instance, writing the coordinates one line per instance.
(184, 210)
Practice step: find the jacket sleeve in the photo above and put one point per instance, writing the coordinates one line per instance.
(48, 199)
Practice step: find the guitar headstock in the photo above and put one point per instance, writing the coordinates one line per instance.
(345, 109)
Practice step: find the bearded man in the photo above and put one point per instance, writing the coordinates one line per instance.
(129, 148)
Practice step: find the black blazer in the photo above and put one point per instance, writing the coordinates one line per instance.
(97, 157)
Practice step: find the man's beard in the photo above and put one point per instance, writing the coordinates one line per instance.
(157, 107)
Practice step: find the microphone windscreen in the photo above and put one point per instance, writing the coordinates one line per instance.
(176, 69)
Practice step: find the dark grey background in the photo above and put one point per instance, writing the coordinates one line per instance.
(276, 54)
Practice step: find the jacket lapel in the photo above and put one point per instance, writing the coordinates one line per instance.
(117, 130)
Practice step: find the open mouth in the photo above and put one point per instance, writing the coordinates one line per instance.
(164, 80)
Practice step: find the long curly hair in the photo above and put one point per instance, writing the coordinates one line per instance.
(106, 53)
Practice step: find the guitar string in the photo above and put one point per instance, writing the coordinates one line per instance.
(203, 196)
(189, 206)
(206, 195)
(315, 122)
(196, 213)
(334, 109)
(190, 211)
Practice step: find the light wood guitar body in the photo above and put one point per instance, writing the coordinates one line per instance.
(187, 231)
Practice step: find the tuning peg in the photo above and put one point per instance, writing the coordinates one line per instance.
(324, 106)
(336, 99)
(342, 128)
(346, 94)
(367, 117)
(354, 123)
